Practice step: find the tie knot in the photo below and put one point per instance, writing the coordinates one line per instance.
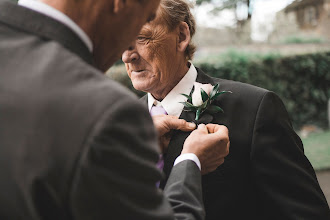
(157, 110)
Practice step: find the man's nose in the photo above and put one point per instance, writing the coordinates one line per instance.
(130, 55)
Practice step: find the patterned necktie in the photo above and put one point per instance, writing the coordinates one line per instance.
(158, 110)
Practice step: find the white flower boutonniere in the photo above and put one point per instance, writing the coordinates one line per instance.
(202, 98)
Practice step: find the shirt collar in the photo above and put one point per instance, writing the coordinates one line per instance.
(49, 11)
(171, 103)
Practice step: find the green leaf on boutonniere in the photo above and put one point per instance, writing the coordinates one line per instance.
(213, 109)
(219, 93)
(207, 99)
(188, 97)
(205, 96)
(214, 90)
(198, 113)
(189, 106)
(204, 105)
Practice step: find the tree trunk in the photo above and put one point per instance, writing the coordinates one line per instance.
(249, 13)
(329, 112)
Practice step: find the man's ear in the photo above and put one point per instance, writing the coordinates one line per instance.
(118, 5)
(184, 36)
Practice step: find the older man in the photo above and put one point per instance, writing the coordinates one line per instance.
(75, 145)
(266, 175)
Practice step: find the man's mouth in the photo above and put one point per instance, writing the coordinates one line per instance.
(138, 71)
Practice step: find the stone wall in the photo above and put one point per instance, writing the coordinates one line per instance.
(212, 37)
(286, 25)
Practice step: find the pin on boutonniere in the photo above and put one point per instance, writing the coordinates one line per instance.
(202, 98)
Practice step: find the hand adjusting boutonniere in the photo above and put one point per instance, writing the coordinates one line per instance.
(202, 98)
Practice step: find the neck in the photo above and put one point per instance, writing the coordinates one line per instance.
(89, 24)
(69, 8)
(180, 73)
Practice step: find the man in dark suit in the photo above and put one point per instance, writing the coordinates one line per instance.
(75, 145)
(266, 175)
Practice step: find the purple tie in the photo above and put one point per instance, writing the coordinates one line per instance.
(158, 110)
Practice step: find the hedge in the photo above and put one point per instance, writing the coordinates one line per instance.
(302, 81)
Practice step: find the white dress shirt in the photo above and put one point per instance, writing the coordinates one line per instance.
(171, 104)
(49, 11)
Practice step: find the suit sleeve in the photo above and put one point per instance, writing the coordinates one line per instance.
(183, 190)
(117, 175)
(286, 184)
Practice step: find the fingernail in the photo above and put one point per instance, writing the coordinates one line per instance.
(201, 126)
(191, 125)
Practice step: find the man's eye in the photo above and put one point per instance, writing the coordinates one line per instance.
(141, 38)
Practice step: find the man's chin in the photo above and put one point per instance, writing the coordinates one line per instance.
(140, 87)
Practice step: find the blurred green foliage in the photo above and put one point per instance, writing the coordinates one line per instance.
(317, 149)
(302, 81)
(302, 40)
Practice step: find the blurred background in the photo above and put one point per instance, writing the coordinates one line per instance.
(280, 45)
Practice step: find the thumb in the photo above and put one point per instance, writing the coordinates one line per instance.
(202, 128)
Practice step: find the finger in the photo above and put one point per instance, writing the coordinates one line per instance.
(202, 129)
(220, 134)
(213, 128)
(228, 146)
(179, 124)
(161, 123)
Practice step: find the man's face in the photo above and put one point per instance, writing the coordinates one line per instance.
(114, 33)
(151, 60)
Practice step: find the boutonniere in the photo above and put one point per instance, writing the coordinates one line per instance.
(201, 99)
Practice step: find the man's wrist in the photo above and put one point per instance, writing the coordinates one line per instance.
(188, 156)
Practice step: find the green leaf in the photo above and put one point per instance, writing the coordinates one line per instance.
(213, 109)
(187, 96)
(219, 93)
(198, 112)
(204, 105)
(214, 90)
(188, 105)
(205, 96)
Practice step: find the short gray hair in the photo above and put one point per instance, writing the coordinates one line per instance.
(176, 11)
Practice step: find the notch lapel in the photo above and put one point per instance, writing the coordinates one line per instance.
(178, 138)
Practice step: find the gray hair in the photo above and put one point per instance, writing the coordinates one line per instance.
(176, 11)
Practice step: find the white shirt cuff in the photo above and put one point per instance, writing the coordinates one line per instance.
(189, 156)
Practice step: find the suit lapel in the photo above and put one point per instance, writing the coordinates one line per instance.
(144, 99)
(178, 138)
(43, 26)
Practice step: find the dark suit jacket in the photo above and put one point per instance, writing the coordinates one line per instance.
(74, 144)
(266, 174)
